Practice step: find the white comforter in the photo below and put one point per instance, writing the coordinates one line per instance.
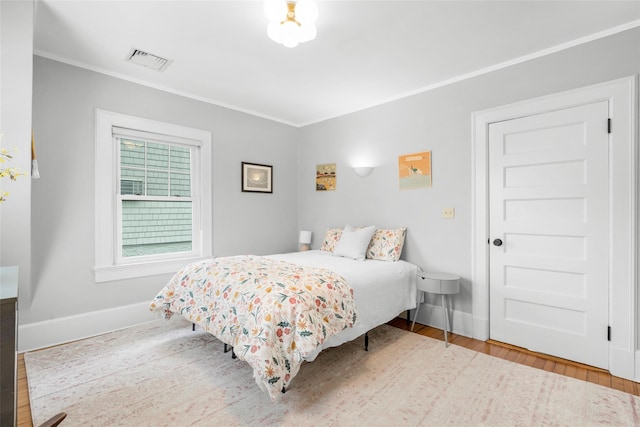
(382, 289)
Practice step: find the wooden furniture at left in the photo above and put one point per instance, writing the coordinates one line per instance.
(55, 420)
(8, 342)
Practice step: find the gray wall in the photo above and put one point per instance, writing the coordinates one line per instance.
(440, 121)
(64, 102)
(65, 99)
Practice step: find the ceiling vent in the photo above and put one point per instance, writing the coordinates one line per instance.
(148, 60)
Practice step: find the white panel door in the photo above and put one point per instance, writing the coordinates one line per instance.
(548, 204)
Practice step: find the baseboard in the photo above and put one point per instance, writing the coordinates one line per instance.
(37, 335)
(622, 363)
(480, 329)
(431, 315)
(636, 365)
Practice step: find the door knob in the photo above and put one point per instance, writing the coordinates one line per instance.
(497, 242)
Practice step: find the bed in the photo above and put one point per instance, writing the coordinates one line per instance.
(277, 311)
(382, 290)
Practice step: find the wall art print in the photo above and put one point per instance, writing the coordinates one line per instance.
(326, 177)
(415, 170)
(257, 178)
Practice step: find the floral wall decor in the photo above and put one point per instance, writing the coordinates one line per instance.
(7, 172)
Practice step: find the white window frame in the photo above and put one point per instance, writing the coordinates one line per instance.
(108, 265)
(194, 149)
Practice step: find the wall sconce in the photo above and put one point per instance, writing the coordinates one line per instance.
(363, 170)
(305, 240)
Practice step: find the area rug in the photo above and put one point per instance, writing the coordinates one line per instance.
(163, 374)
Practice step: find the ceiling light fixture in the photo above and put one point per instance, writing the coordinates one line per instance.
(291, 22)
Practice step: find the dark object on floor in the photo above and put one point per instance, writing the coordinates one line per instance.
(55, 420)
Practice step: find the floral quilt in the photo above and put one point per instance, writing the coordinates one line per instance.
(273, 313)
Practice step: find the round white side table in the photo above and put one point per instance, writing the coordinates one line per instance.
(442, 284)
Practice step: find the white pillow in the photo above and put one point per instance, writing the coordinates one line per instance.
(354, 242)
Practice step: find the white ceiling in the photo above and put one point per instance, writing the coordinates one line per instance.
(366, 52)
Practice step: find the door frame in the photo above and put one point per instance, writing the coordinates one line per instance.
(623, 210)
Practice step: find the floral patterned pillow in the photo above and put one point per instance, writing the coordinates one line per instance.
(331, 238)
(386, 245)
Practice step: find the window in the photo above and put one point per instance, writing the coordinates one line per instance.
(154, 213)
(153, 196)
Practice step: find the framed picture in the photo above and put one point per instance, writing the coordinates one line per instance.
(326, 177)
(415, 170)
(257, 178)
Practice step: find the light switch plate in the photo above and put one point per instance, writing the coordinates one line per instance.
(448, 213)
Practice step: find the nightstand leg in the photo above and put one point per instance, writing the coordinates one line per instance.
(445, 319)
(414, 316)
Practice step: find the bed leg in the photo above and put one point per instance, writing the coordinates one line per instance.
(366, 341)
(193, 326)
(227, 348)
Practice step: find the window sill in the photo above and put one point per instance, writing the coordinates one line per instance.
(147, 269)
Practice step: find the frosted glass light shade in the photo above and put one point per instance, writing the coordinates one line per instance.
(363, 170)
(306, 12)
(275, 10)
(273, 31)
(290, 32)
(308, 32)
(305, 237)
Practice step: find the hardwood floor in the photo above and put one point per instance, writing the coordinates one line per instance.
(24, 409)
(529, 358)
(501, 350)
